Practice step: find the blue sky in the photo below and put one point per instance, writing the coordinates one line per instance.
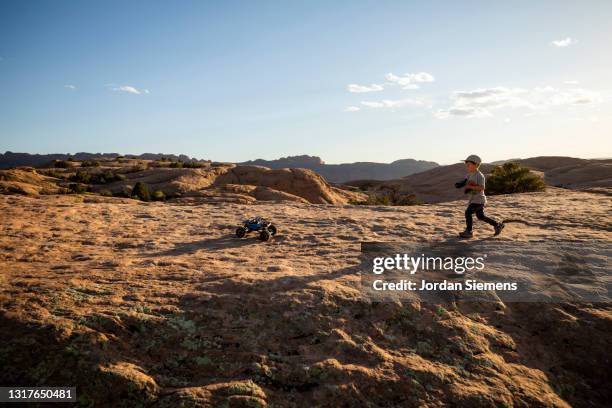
(347, 81)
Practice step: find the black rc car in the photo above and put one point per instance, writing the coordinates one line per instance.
(265, 228)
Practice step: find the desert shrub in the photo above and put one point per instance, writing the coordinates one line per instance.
(90, 163)
(158, 195)
(51, 173)
(96, 178)
(125, 193)
(388, 197)
(106, 193)
(141, 191)
(513, 178)
(61, 164)
(193, 165)
(81, 177)
(77, 188)
(136, 168)
(107, 177)
(176, 165)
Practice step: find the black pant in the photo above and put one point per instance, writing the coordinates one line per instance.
(479, 210)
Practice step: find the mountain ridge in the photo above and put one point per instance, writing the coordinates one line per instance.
(342, 172)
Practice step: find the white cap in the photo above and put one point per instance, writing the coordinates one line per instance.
(473, 158)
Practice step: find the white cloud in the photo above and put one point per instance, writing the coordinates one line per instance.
(564, 42)
(408, 81)
(466, 112)
(571, 82)
(364, 88)
(71, 87)
(128, 89)
(482, 102)
(387, 103)
(575, 96)
(352, 109)
(490, 98)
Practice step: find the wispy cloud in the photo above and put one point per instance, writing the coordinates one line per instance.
(479, 103)
(364, 88)
(409, 81)
(128, 89)
(352, 109)
(571, 82)
(71, 87)
(466, 111)
(564, 42)
(406, 81)
(388, 103)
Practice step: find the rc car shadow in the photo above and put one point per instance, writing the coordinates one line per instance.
(212, 244)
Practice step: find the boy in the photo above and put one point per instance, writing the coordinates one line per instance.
(475, 186)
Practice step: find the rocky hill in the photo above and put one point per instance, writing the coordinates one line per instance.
(209, 182)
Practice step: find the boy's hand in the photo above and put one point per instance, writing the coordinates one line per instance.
(460, 184)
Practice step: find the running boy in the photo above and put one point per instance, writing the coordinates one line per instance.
(474, 186)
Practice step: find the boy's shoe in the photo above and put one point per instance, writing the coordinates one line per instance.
(466, 234)
(498, 228)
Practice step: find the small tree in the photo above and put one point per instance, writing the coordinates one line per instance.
(513, 178)
(141, 191)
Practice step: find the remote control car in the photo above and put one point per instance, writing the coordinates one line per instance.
(266, 229)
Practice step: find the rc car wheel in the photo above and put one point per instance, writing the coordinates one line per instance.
(264, 235)
(241, 232)
(272, 229)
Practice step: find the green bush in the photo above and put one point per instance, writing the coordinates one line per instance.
(81, 177)
(388, 198)
(96, 178)
(90, 163)
(51, 173)
(513, 178)
(125, 193)
(77, 188)
(193, 165)
(186, 165)
(159, 195)
(107, 177)
(141, 191)
(61, 164)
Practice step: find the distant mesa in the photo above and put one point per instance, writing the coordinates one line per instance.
(340, 173)
(10, 159)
